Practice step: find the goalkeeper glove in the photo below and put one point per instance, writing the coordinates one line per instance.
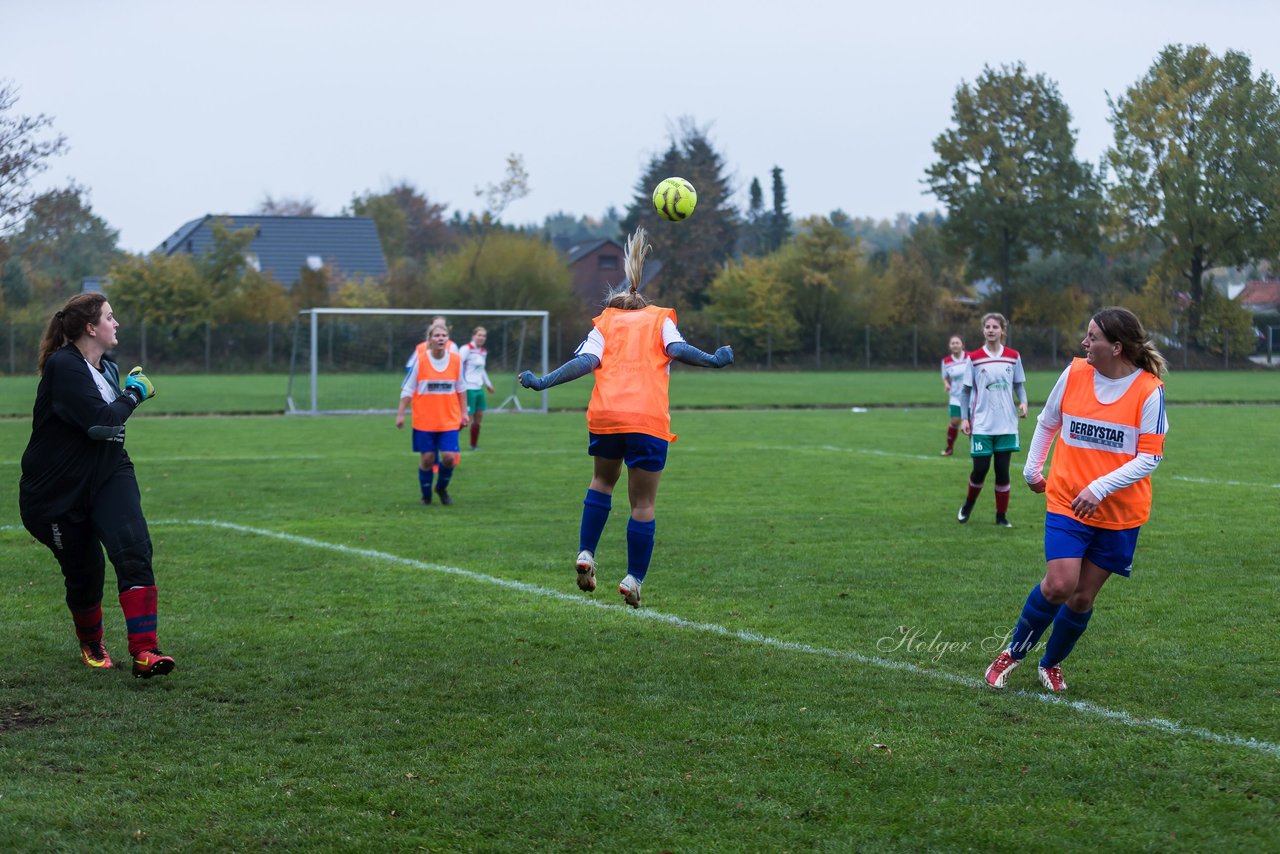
(141, 387)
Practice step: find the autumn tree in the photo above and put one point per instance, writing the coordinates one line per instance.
(1196, 165)
(409, 224)
(692, 252)
(1008, 174)
(60, 244)
(753, 305)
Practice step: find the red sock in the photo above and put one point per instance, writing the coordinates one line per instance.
(475, 433)
(139, 606)
(975, 489)
(88, 623)
(1002, 498)
(952, 432)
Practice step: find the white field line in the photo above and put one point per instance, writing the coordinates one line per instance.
(1225, 482)
(1091, 709)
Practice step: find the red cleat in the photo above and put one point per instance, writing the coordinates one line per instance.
(1051, 678)
(153, 662)
(94, 654)
(998, 673)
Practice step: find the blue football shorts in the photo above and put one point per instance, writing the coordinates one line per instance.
(425, 442)
(1066, 536)
(638, 450)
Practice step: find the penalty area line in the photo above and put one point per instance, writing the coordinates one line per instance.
(1091, 709)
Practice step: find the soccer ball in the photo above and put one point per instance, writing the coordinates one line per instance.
(675, 199)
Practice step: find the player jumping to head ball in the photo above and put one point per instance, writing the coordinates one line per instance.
(1107, 411)
(630, 349)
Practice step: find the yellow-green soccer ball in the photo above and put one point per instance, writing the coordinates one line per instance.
(675, 199)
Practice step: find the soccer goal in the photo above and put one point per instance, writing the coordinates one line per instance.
(352, 360)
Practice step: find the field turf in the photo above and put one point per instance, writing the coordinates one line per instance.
(359, 672)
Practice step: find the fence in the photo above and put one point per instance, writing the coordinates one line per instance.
(223, 348)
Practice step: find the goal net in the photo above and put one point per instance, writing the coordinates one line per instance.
(352, 360)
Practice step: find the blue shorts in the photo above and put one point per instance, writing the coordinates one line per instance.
(639, 450)
(434, 443)
(1065, 536)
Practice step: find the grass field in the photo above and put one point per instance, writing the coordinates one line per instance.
(359, 672)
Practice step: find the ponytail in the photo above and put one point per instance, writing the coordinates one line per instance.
(629, 298)
(67, 325)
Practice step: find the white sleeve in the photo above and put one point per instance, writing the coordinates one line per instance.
(969, 378)
(1047, 424)
(410, 383)
(670, 335)
(1153, 421)
(593, 345)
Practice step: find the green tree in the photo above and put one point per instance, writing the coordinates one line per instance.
(751, 236)
(822, 269)
(286, 206)
(779, 221)
(1008, 174)
(753, 304)
(61, 243)
(692, 252)
(24, 150)
(1196, 165)
(514, 272)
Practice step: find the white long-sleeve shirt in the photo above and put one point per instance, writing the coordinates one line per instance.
(1108, 391)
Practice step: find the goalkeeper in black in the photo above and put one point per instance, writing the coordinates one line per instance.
(78, 494)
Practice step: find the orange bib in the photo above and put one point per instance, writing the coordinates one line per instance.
(1096, 439)
(436, 407)
(630, 395)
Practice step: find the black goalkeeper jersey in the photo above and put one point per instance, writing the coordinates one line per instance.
(62, 467)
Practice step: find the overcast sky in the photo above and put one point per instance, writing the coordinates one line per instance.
(175, 110)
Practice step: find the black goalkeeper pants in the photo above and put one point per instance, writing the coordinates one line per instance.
(77, 540)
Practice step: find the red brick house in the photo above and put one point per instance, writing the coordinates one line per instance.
(597, 266)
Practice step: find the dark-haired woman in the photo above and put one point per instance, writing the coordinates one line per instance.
(78, 495)
(630, 349)
(1107, 411)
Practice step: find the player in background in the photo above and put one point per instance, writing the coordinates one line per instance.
(78, 493)
(630, 349)
(475, 379)
(432, 386)
(988, 415)
(954, 366)
(1107, 412)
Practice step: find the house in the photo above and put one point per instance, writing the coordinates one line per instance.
(283, 245)
(1261, 296)
(597, 266)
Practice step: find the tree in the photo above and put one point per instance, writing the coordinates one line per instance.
(753, 304)
(409, 224)
(752, 235)
(821, 267)
(779, 227)
(61, 242)
(1008, 175)
(693, 251)
(23, 152)
(513, 187)
(1196, 165)
(286, 206)
(514, 272)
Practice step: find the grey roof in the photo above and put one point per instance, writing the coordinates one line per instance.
(284, 244)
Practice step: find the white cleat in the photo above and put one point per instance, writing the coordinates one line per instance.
(630, 590)
(1051, 678)
(586, 571)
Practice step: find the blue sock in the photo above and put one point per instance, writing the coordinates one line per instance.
(424, 481)
(639, 547)
(1068, 626)
(595, 512)
(1037, 614)
(446, 475)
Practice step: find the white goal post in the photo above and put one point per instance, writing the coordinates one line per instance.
(348, 361)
